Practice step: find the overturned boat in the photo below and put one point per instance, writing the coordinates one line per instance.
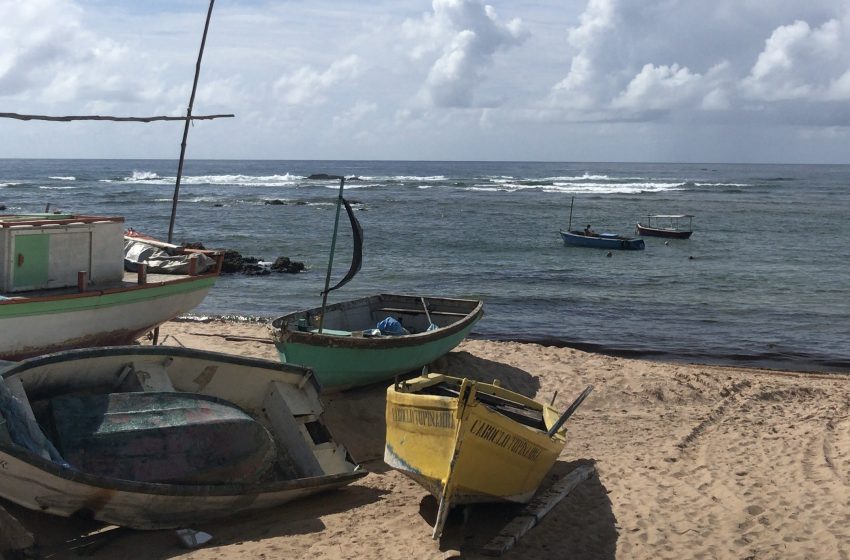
(153, 437)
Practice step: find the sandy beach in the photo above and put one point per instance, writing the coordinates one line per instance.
(691, 462)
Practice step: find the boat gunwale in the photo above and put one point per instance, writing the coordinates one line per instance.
(20, 299)
(615, 241)
(286, 335)
(431, 379)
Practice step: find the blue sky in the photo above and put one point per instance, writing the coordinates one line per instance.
(590, 80)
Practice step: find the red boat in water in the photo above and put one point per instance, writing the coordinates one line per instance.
(666, 225)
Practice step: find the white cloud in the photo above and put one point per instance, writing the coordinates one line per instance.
(48, 56)
(662, 60)
(465, 35)
(307, 86)
(801, 62)
(438, 79)
(658, 88)
(352, 117)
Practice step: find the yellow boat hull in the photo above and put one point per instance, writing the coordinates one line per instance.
(483, 444)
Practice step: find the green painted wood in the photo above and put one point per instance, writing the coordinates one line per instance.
(96, 300)
(339, 368)
(31, 270)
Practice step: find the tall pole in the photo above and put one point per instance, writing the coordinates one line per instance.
(570, 225)
(331, 257)
(188, 122)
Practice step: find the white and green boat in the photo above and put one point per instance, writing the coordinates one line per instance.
(63, 286)
(345, 347)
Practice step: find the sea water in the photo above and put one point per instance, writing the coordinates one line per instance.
(764, 280)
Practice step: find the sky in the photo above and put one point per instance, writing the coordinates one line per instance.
(737, 81)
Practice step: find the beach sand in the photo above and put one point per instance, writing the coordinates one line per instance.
(691, 462)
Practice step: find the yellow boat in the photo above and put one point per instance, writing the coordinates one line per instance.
(466, 441)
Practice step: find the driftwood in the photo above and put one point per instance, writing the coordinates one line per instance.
(534, 511)
(107, 118)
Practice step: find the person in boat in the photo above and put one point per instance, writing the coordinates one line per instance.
(588, 231)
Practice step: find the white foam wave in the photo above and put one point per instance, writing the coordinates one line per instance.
(284, 180)
(9, 184)
(401, 178)
(583, 187)
(63, 178)
(722, 185)
(142, 176)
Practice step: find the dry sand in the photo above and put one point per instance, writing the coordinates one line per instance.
(692, 462)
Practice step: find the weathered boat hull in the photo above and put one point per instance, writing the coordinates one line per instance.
(341, 357)
(31, 326)
(282, 397)
(603, 241)
(662, 232)
(461, 449)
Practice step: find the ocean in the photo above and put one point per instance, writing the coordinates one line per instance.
(762, 282)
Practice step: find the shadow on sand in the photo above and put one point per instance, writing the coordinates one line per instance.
(74, 538)
(581, 526)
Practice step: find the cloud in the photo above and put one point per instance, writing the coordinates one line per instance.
(48, 56)
(307, 86)
(464, 35)
(801, 62)
(661, 60)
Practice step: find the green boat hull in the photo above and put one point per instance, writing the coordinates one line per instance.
(342, 368)
(349, 353)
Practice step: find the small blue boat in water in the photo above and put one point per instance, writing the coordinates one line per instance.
(578, 238)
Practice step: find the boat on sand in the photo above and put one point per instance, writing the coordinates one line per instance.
(154, 437)
(346, 346)
(63, 285)
(466, 441)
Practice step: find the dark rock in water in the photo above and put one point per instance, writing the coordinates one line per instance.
(232, 262)
(253, 269)
(284, 264)
(2, 206)
(354, 178)
(218, 205)
(275, 202)
(251, 266)
(322, 176)
(199, 246)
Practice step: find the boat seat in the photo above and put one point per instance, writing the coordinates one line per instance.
(332, 332)
(420, 312)
(152, 377)
(297, 458)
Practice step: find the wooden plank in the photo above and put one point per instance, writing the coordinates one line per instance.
(420, 312)
(534, 512)
(288, 433)
(153, 377)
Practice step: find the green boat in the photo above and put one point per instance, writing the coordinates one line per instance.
(345, 346)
